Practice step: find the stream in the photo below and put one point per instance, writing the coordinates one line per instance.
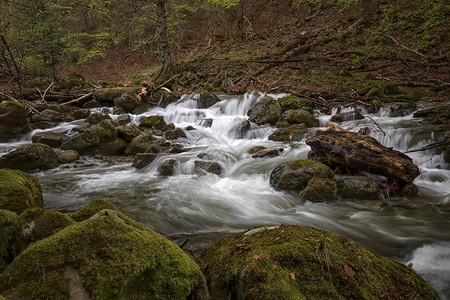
(206, 208)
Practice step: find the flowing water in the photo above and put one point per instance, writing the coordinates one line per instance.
(206, 208)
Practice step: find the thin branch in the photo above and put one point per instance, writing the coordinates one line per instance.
(430, 146)
(78, 99)
(378, 126)
(404, 47)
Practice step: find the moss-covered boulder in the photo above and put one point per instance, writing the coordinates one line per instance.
(91, 209)
(108, 256)
(128, 101)
(154, 122)
(294, 102)
(13, 120)
(52, 139)
(167, 168)
(128, 132)
(73, 81)
(415, 95)
(35, 224)
(347, 116)
(19, 191)
(297, 116)
(98, 139)
(265, 111)
(295, 262)
(294, 176)
(95, 118)
(292, 133)
(357, 187)
(8, 223)
(30, 157)
(109, 94)
(207, 99)
(146, 143)
(319, 190)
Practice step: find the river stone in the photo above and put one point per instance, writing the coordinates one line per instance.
(81, 114)
(319, 190)
(142, 160)
(68, 156)
(167, 168)
(123, 119)
(297, 262)
(19, 191)
(294, 102)
(348, 116)
(256, 149)
(99, 139)
(92, 104)
(207, 99)
(297, 116)
(30, 157)
(294, 176)
(89, 210)
(128, 132)
(110, 94)
(127, 101)
(35, 224)
(357, 187)
(47, 115)
(96, 118)
(154, 122)
(8, 224)
(266, 153)
(293, 133)
(13, 120)
(174, 134)
(239, 130)
(141, 143)
(267, 110)
(53, 139)
(109, 256)
(204, 167)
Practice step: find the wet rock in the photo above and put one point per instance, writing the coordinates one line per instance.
(119, 111)
(266, 153)
(239, 131)
(348, 116)
(142, 108)
(53, 139)
(204, 167)
(8, 224)
(265, 111)
(30, 157)
(98, 139)
(297, 116)
(319, 190)
(294, 102)
(47, 115)
(294, 176)
(96, 118)
(206, 122)
(280, 262)
(409, 190)
(109, 256)
(19, 191)
(110, 94)
(92, 104)
(154, 122)
(143, 143)
(292, 133)
(13, 120)
(128, 132)
(127, 101)
(35, 224)
(189, 128)
(66, 157)
(142, 160)
(357, 187)
(207, 99)
(256, 149)
(92, 208)
(174, 134)
(123, 119)
(167, 168)
(81, 114)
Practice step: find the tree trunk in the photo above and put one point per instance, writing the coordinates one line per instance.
(163, 36)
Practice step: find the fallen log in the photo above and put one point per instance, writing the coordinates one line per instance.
(339, 148)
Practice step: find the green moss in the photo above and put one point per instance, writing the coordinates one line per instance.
(415, 95)
(19, 191)
(368, 76)
(91, 209)
(320, 189)
(294, 262)
(374, 92)
(115, 257)
(319, 167)
(8, 221)
(155, 122)
(294, 102)
(73, 81)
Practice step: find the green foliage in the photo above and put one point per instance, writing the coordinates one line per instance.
(225, 3)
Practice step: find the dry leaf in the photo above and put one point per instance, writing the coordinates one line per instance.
(292, 275)
(255, 258)
(349, 271)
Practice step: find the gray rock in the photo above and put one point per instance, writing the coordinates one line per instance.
(143, 159)
(265, 111)
(266, 153)
(123, 119)
(128, 132)
(204, 167)
(81, 114)
(319, 190)
(66, 157)
(293, 133)
(47, 115)
(297, 116)
(167, 168)
(174, 134)
(357, 187)
(154, 122)
(207, 99)
(53, 139)
(239, 131)
(30, 157)
(96, 118)
(146, 143)
(13, 120)
(92, 104)
(348, 116)
(127, 101)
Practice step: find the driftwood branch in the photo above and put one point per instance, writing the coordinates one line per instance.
(430, 146)
(165, 82)
(378, 126)
(78, 99)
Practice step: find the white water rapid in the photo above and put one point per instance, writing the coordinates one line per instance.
(205, 208)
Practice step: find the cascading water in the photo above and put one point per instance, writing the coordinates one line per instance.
(205, 208)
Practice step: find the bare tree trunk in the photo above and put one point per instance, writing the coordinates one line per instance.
(163, 36)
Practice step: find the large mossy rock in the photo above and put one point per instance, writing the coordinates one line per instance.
(98, 139)
(154, 122)
(109, 256)
(19, 191)
(91, 209)
(52, 139)
(292, 133)
(128, 102)
(207, 99)
(265, 111)
(35, 224)
(110, 94)
(297, 116)
(294, 102)
(357, 187)
(319, 190)
(13, 120)
(8, 223)
(294, 176)
(295, 262)
(30, 157)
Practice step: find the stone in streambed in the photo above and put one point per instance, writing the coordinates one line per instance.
(266, 153)
(348, 116)
(297, 262)
(174, 134)
(19, 191)
(96, 118)
(357, 187)
(146, 142)
(89, 210)
(128, 132)
(205, 167)
(13, 120)
(127, 101)
(8, 224)
(154, 122)
(265, 111)
(52, 139)
(297, 116)
(167, 168)
(319, 190)
(108, 256)
(142, 160)
(206, 100)
(292, 133)
(30, 157)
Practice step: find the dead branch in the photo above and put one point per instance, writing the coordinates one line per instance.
(165, 82)
(8, 96)
(430, 146)
(378, 126)
(78, 99)
(404, 47)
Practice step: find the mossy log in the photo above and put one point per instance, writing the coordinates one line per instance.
(336, 147)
